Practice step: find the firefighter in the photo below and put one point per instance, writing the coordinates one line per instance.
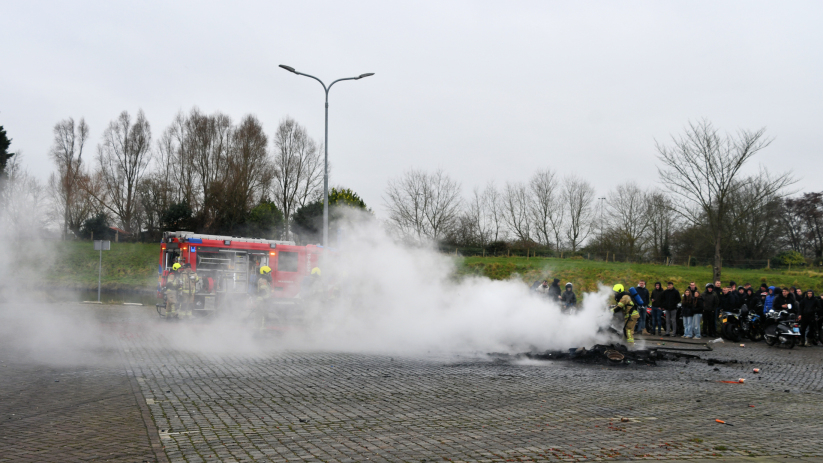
(630, 314)
(262, 296)
(171, 290)
(188, 286)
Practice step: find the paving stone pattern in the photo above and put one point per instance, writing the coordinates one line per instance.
(65, 414)
(136, 397)
(345, 407)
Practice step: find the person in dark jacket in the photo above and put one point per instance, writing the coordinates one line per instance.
(655, 300)
(554, 290)
(808, 309)
(644, 295)
(568, 300)
(711, 301)
(671, 297)
(785, 301)
(741, 298)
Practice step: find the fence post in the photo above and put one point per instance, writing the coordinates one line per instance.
(508, 252)
(689, 262)
(768, 264)
(484, 252)
(527, 253)
(561, 254)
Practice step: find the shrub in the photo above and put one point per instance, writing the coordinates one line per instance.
(787, 258)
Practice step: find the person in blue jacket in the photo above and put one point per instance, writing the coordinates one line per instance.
(767, 305)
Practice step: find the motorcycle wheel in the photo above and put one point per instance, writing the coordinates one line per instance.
(790, 343)
(732, 332)
(723, 328)
(755, 336)
(771, 341)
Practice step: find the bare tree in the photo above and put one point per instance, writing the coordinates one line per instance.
(703, 169)
(483, 211)
(124, 156)
(247, 176)
(546, 207)
(630, 213)
(661, 223)
(67, 153)
(23, 202)
(578, 196)
(516, 209)
(298, 169)
(423, 206)
(493, 208)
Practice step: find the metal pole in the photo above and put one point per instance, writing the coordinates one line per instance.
(100, 271)
(326, 147)
(326, 178)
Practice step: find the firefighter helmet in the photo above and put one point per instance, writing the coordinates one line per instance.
(618, 288)
(265, 270)
(315, 271)
(176, 266)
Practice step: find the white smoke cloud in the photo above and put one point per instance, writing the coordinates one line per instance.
(397, 298)
(393, 298)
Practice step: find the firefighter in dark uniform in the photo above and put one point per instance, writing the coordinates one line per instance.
(630, 313)
(188, 286)
(171, 290)
(262, 296)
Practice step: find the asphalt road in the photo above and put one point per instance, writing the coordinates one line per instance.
(84, 383)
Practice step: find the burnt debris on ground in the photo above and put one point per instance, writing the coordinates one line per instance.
(600, 354)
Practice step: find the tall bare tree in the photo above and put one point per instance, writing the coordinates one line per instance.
(23, 202)
(483, 212)
(423, 206)
(67, 153)
(702, 168)
(578, 196)
(247, 176)
(493, 209)
(124, 156)
(546, 207)
(298, 169)
(630, 213)
(516, 210)
(661, 224)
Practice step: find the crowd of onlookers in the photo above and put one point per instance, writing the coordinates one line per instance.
(700, 308)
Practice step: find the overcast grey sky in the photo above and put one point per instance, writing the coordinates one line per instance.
(484, 90)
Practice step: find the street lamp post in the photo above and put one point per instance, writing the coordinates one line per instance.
(326, 147)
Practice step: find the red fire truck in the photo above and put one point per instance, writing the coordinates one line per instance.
(228, 267)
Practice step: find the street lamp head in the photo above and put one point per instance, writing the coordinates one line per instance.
(288, 68)
(365, 75)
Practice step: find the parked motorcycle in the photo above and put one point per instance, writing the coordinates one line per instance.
(751, 324)
(782, 328)
(730, 328)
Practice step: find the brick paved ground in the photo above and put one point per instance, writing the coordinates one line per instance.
(310, 406)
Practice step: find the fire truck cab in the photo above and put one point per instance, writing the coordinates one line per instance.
(228, 267)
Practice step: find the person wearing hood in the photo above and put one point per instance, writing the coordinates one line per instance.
(741, 298)
(768, 302)
(809, 306)
(711, 301)
(785, 301)
(554, 290)
(657, 313)
(568, 299)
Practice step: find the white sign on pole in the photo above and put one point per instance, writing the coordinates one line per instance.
(100, 245)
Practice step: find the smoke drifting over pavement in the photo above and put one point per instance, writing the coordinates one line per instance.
(398, 298)
(393, 299)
